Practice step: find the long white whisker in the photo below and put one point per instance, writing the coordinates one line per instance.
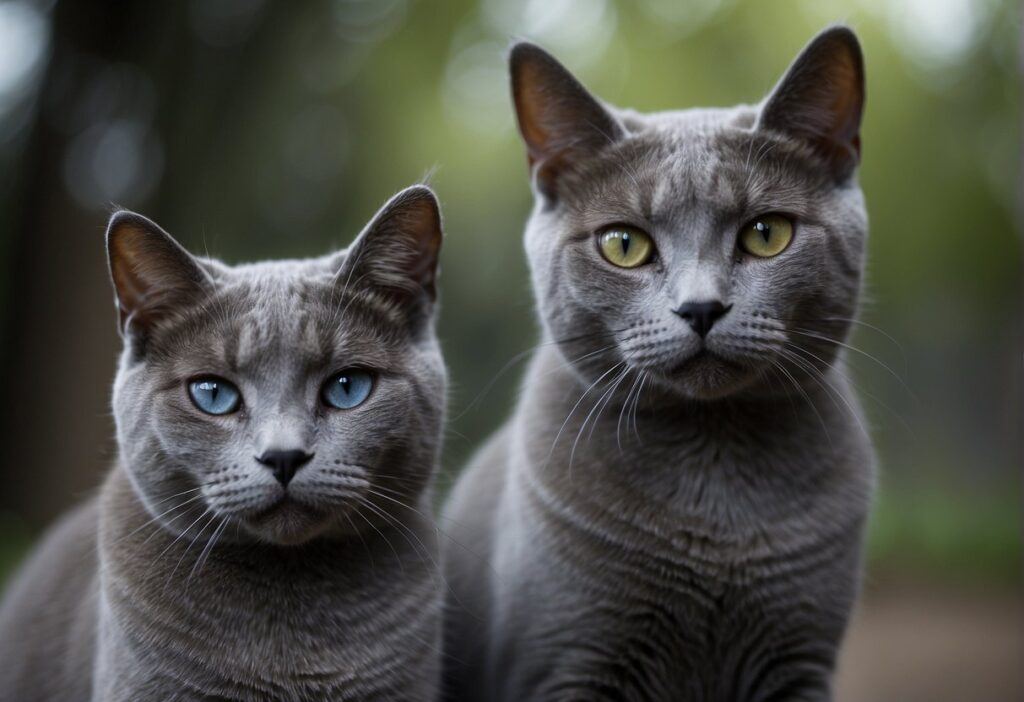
(574, 407)
(207, 549)
(844, 345)
(373, 526)
(162, 514)
(624, 410)
(816, 375)
(806, 397)
(583, 426)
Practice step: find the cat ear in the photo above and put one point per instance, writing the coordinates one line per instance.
(558, 118)
(821, 98)
(152, 274)
(397, 253)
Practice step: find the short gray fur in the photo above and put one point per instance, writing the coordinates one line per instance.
(652, 525)
(188, 578)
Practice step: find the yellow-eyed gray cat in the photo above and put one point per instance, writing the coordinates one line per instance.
(675, 510)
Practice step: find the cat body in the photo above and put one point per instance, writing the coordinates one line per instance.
(675, 509)
(265, 533)
(312, 622)
(682, 582)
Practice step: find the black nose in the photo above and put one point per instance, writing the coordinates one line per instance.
(284, 464)
(702, 315)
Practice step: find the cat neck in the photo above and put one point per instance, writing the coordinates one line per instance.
(573, 422)
(727, 465)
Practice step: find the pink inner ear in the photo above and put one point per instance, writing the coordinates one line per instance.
(152, 274)
(126, 267)
(847, 102)
(425, 228)
(821, 98)
(555, 113)
(530, 110)
(401, 243)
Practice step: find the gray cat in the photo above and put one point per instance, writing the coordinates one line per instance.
(264, 534)
(675, 509)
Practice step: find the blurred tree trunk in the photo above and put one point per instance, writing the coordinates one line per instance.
(57, 433)
(61, 332)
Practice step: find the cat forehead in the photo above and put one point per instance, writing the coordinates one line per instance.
(283, 314)
(705, 157)
(689, 123)
(281, 272)
(277, 295)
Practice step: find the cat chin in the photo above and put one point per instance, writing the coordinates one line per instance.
(707, 376)
(289, 523)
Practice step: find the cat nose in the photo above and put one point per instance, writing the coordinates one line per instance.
(701, 316)
(284, 464)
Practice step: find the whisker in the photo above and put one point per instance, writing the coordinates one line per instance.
(859, 388)
(611, 386)
(526, 354)
(806, 397)
(162, 514)
(180, 534)
(606, 398)
(636, 405)
(364, 503)
(624, 410)
(191, 543)
(437, 570)
(366, 547)
(204, 554)
(578, 402)
(844, 345)
(816, 375)
(850, 320)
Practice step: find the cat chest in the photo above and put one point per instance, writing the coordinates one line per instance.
(252, 645)
(686, 576)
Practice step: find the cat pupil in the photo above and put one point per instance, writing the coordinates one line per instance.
(766, 231)
(625, 243)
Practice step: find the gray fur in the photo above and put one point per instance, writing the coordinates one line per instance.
(187, 578)
(651, 525)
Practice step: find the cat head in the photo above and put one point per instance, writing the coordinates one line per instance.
(709, 250)
(286, 399)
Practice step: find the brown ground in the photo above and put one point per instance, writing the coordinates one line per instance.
(907, 646)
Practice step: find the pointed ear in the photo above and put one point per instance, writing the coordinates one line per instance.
(153, 275)
(397, 253)
(821, 98)
(558, 119)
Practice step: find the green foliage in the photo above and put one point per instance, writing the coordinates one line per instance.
(285, 142)
(946, 536)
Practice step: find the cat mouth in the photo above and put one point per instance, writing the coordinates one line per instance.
(286, 520)
(282, 506)
(703, 357)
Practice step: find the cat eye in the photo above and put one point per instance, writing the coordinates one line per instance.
(766, 236)
(347, 389)
(214, 395)
(626, 247)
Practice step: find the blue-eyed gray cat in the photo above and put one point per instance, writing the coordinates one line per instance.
(264, 534)
(675, 510)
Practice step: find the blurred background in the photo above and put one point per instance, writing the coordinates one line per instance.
(255, 129)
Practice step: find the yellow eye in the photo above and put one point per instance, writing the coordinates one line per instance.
(766, 236)
(626, 247)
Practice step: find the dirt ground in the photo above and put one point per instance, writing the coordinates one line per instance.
(912, 645)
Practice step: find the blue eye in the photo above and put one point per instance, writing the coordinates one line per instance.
(214, 395)
(347, 389)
